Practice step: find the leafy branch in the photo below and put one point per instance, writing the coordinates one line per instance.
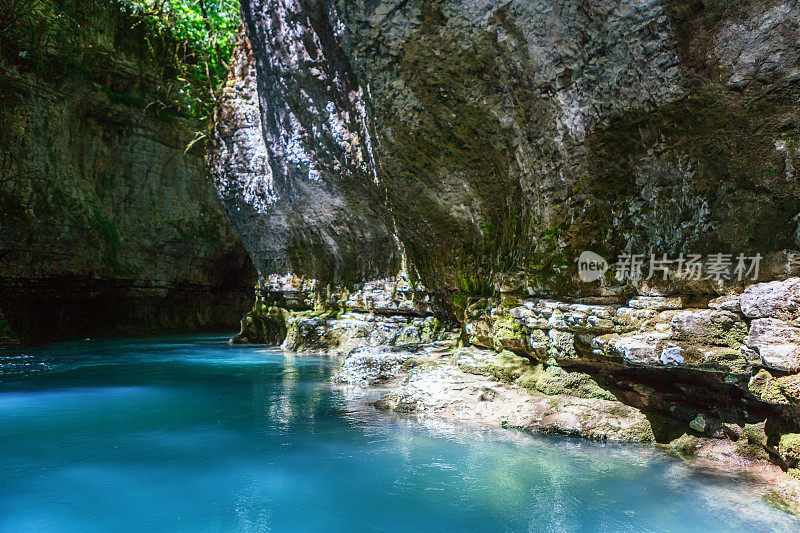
(205, 34)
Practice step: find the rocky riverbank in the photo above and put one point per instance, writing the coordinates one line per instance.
(479, 386)
(712, 380)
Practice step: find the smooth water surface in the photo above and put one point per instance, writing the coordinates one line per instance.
(190, 434)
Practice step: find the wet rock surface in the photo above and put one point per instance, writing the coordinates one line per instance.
(467, 385)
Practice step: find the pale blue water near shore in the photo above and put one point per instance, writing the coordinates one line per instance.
(190, 434)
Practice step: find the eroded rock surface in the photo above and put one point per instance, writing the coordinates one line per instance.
(291, 312)
(500, 140)
(294, 164)
(464, 385)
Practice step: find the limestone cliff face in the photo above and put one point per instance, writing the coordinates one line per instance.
(106, 224)
(508, 137)
(294, 164)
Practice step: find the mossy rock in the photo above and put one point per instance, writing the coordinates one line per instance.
(685, 444)
(760, 383)
(789, 448)
(640, 432)
(754, 441)
(789, 387)
(554, 380)
(263, 325)
(507, 334)
(784, 390)
(508, 367)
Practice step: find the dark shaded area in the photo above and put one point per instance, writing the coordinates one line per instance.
(71, 307)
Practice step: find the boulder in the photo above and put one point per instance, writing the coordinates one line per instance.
(645, 348)
(777, 342)
(726, 303)
(784, 390)
(777, 299)
(507, 334)
(562, 345)
(479, 332)
(373, 365)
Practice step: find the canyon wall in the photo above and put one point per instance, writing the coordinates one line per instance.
(108, 224)
(497, 141)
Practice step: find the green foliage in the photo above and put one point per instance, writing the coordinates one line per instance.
(31, 31)
(190, 41)
(204, 32)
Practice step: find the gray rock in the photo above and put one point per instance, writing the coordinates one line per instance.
(762, 45)
(390, 297)
(293, 162)
(628, 319)
(777, 342)
(656, 303)
(672, 355)
(777, 299)
(373, 365)
(643, 349)
(708, 326)
(562, 345)
(726, 303)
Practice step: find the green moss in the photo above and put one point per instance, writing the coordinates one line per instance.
(507, 335)
(265, 325)
(789, 448)
(784, 390)
(760, 383)
(641, 432)
(732, 336)
(754, 441)
(510, 302)
(789, 387)
(545, 379)
(553, 381)
(431, 329)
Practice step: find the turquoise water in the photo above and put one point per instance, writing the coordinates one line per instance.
(190, 434)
